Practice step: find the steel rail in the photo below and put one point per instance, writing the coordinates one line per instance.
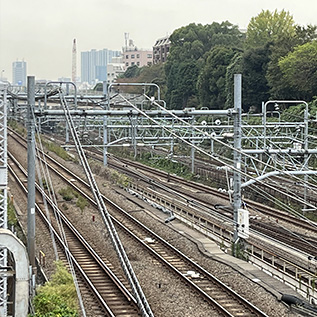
(80, 238)
(125, 262)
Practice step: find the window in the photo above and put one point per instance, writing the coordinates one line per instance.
(149, 55)
(138, 63)
(127, 56)
(137, 55)
(132, 56)
(126, 64)
(132, 63)
(149, 63)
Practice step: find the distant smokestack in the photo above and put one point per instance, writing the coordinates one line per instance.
(74, 63)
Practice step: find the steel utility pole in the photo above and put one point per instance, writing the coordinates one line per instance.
(31, 170)
(237, 155)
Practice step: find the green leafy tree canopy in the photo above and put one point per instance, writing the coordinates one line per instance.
(299, 70)
(189, 50)
(268, 27)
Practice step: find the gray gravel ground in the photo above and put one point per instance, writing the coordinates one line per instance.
(168, 297)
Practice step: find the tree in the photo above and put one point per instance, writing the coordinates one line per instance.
(299, 70)
(212, 79)
(252, 64)
(131, 72)
(268, 27)
(189, 49)
(279, 88)
(235, 67)
(255, 86)
(183, 79)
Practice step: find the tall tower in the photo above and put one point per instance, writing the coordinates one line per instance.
(74, 64)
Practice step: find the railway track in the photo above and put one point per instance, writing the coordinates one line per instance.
(222, 298)
(297, 241)
(256, 207)
(110, 297)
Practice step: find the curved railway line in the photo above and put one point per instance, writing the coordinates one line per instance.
(305, 246)
(256, 207)
(109, 296)
(301, 242)
(222, 298)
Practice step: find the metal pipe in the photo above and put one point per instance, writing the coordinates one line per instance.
(274, 173)
(85, 112)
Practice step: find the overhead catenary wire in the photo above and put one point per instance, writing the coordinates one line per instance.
(42, 169)
(126, 265)
(208, 154)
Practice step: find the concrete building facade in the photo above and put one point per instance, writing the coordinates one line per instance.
(161, 50)
(137, 57)
(134, 56)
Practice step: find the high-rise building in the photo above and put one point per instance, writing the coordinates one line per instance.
(94, 65)
(19, 73)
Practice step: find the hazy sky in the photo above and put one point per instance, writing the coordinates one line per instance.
(42, 31)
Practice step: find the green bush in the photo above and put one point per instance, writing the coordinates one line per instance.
(12, 220)
(81, 203)
(58, 296)
(120, 179)
(67, 193)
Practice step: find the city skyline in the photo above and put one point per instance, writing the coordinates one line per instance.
(42, 32)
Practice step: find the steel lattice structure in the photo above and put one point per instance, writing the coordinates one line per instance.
(3, 197)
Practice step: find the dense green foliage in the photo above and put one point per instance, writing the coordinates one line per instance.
(191, 56)
(299, 70)
(58, 296)
(269, 27)
(166, 165)
(276, 57)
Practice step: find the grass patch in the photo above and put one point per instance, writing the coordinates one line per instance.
(13, 124)
(167, 165)
(81, 203)
(119, 179)
(58, 150)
